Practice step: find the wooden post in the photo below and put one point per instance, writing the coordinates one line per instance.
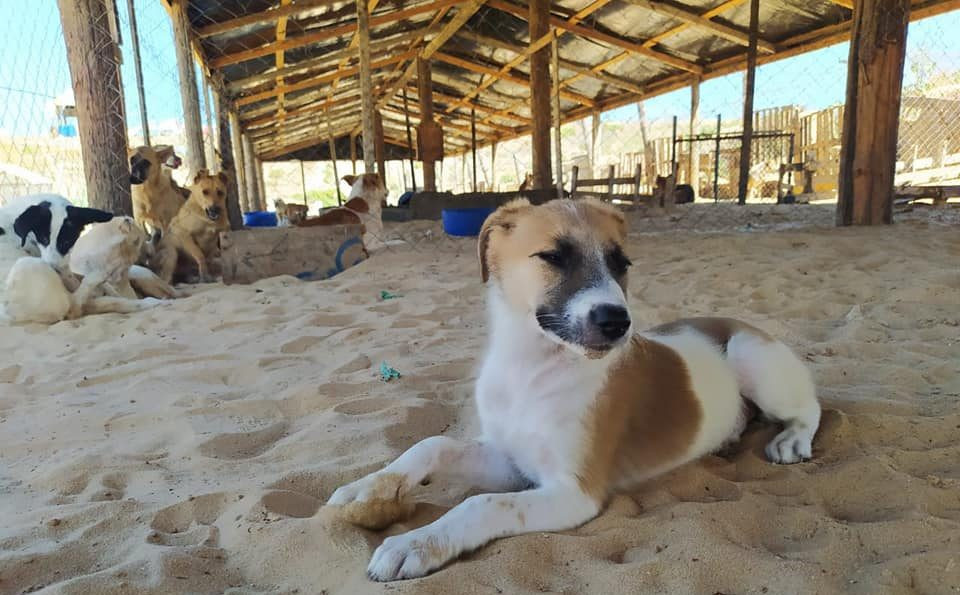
(227, 162)
(539, 21)
(138, 71)
(637, 180)
(574, 175)
(261, 185)
(92, 55)
(250, 174)
(189, 96)
(716, 163)
(303, 183)
(208, 108)
(868, 153)
(493, 166)
(557, 114)
(379, 146)
(425, 97)
(406, 119)
(353, 153)
(473, 144)
(749, 83)
(236, 142)
(611, 176)
(332, 144)
(366, 87)
(693, 169)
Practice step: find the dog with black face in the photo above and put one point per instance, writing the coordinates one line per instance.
(157, 198)
(573, 404)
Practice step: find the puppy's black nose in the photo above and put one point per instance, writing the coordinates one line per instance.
(612, 320)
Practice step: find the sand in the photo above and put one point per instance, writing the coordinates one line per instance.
(189, 448)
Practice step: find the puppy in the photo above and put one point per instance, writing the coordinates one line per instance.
(195, 230)
(289, 214)
(157, 198)
(45, 225)
(571, 401)
(682, 193)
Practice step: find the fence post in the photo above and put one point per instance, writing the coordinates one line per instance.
(574, 174)
(638, 171)
(189, 95)
(92, 55)
(611, 176)
(716, 165)
(750, 84)
(138, 71)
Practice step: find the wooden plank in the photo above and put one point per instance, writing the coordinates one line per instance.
(868, 153)
(327, 33)
(702, 23)
(538, 19)
(319, 80)
(748, 94)
(189, 96)
(606, 38)
(308, 253)
(264, 16)
(92, 55)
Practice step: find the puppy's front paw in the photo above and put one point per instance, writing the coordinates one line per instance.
(410, 555)
(793, 445)
(375, 501)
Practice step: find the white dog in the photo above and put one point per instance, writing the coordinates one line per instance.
(571, 401)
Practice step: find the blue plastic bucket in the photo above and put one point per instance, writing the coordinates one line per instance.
(260, 219)
(465, 222)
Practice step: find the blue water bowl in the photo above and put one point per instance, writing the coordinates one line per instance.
(260, 219)
(465, 222)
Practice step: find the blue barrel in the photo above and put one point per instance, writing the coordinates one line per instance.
(465, 222)
(260, 219)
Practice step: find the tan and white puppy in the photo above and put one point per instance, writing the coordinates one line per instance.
(573, 404)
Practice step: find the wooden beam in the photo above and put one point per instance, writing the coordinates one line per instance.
(236, 142)
(425, 100)
(327, 33)
(868, 153)
(227, 163)
(281, 35)
(367, 105)
(500, 73)
(189, 96)
(748, 92)
(557, 114)
(703, 23)
(464, 12)
(715, 11)
(606, 38)
(319, 80)
(264, 16)
(92, 56)
(848, 4)
(250, 174)
(538, 19)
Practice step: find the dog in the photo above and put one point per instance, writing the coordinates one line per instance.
(117, 246)
(157, 198)
(682, 193)
(573, 404)
(289, 214)
(364, 206)
(526, 184)
(195, 230)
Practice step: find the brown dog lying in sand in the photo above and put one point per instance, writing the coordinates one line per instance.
(195, 230)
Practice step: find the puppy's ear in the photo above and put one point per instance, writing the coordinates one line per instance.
(502, 220)
(34, 219)
(200, 174)
(82, 216)
(349, 179)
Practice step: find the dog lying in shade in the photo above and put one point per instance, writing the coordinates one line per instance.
(574, 403)
(364, 206)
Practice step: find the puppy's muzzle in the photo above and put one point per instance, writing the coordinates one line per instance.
(610, 320)
(213, 213)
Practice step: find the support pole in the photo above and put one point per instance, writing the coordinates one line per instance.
(303, 183)
(92, 55)
(261, 185)
(189, 96)
(425, 97)
(406, 118)
(693, 169)
(250, 168)
(557, 115)
(379, 145)
(473, 144)
(366, 87)
(749, 83)
(716, 164)
(208, 108)
(493, 166)
(227, 162)
(333, 157)
(868, 153)
(539, 21)
(236, 142)
(353, 153)
(138, 71)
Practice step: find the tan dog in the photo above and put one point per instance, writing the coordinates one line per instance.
(195, 230)
(157, 198)
(289, 213)
(573, 403)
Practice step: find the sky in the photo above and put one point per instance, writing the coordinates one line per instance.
(34, 71)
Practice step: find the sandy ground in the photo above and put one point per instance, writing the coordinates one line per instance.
(189, 448)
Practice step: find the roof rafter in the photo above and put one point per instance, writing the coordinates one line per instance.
(704, 23)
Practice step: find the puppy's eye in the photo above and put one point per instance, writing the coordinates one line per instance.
(618, 262)
(553, 257)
